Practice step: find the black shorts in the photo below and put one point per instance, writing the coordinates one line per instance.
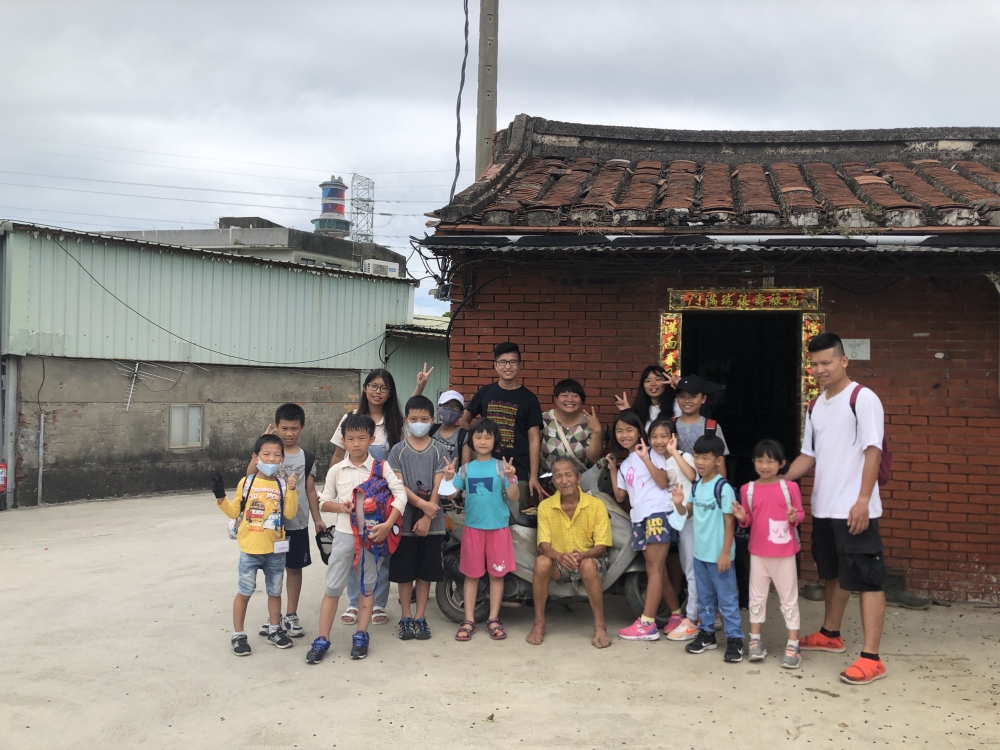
(417, 557)
(297, 556)
(855, 559)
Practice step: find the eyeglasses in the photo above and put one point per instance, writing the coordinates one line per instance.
(507, 364)
(377, 388)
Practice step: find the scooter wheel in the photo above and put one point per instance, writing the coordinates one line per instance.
(451, 601)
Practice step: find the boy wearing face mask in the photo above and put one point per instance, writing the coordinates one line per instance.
(418, 460)
(448, 432)
(262, 511)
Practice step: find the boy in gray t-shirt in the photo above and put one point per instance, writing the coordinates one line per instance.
(418, 460)
(691, 393)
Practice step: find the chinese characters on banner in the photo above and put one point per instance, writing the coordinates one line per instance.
(670, 342)
(744, 299)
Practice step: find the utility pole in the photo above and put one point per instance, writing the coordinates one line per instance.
(486, 102)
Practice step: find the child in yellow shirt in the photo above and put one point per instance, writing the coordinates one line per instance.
(260, 511)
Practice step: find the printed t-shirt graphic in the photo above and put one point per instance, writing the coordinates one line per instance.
(515, 412)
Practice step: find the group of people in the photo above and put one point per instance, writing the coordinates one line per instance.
(662, 459)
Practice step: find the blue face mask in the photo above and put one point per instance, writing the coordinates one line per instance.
(268, 470)
(418, 429)
(449, 416)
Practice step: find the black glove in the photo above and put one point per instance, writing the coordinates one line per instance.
(218, 487)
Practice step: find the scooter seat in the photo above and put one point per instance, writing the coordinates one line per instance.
(520, 519)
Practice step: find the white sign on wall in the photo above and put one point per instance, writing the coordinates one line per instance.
(858, 348)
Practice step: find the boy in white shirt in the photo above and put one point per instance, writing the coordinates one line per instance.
(338, 497)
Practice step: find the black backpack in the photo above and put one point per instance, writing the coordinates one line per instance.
(463, 436)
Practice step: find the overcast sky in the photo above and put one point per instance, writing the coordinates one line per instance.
(275, 97)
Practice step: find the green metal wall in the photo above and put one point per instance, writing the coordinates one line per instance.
(407, 357)
(214, 309)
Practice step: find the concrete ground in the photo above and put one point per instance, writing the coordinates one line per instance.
(116, 622)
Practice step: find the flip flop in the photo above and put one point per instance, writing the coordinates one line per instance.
(495, 629)
(465, 631)
(350, 616)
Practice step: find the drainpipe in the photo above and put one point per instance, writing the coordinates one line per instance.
(41, 451)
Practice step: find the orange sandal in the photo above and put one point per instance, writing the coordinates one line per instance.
(863, 671)
(466, 630)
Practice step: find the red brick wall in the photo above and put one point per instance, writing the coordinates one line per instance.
(943, 415)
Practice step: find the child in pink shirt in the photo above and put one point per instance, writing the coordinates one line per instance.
(772, 509)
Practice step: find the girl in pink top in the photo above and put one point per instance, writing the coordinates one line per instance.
(772, 508)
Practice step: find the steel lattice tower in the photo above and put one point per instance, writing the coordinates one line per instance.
(362, 213)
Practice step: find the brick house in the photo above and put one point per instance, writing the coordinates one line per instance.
(604, 249)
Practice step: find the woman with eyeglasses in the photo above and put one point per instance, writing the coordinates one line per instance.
(654, 397)
(378, 401)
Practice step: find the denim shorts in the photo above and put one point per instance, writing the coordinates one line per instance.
(273, 565)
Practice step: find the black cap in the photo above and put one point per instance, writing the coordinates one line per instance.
(694, 385)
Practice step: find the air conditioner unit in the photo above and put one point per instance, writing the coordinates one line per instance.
(381, 268)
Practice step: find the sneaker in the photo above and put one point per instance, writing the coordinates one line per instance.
(291, 625)
(422, 628)
(406, 630)
(265, 629)
(639, 632)
(359, 645)
(863, 671)
(686, 631)
(672, 624)
(704, 641)
(240, 645)
(792, 659)
(280, 639)
(317, 651)
(757, 651)
(819, 642)
(734, 650)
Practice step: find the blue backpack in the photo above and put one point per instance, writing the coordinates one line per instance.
(372, 506)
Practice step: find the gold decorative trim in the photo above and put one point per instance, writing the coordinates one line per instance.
(670, 342)
(743, 299)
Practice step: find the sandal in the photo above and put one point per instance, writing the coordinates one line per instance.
(379, 616)
(350, 616)
(465, 631)
(495, 629)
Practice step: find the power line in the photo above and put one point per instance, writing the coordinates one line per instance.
(104, 216)
(211, 158)
(192, 343)
(458, 108)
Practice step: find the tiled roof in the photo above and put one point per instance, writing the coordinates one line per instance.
(549, 175)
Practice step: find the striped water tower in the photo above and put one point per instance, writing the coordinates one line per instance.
(333, 221)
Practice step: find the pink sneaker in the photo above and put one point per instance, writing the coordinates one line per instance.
(639, 632)
(686, 631)
(672, 624)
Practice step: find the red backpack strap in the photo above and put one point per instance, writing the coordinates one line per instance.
(854, 398)
(673, 419)
(812, 404)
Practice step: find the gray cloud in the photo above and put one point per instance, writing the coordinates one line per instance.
(336, 87)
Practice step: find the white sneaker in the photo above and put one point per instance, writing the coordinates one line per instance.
(265, 629)
(291, 625)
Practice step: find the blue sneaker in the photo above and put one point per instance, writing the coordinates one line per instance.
(359, 645)
(317, 651)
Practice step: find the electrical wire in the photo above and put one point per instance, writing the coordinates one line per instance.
(237, 161)
(188, 341)
(458, 107)
(110, 216)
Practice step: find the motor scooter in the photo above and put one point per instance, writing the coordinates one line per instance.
(625, 573)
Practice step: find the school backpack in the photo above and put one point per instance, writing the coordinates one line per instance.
(720, 482)
(372, 506)
(784, 491)
(885, 465)
(463, 436)
(234, 523)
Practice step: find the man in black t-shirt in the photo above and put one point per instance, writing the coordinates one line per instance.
(517, 412)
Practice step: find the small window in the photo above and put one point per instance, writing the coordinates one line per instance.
(309, 261)
(186, 425)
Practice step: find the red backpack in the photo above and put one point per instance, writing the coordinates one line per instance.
(885, 465)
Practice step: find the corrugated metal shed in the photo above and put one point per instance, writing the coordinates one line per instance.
(73, 294)
(409, 347)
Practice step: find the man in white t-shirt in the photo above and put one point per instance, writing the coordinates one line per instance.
(845, 427)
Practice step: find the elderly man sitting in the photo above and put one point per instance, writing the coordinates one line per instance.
(574, 535)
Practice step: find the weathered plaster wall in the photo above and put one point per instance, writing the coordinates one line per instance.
(96, 449)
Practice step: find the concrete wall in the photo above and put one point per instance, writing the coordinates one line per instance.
(93, 448)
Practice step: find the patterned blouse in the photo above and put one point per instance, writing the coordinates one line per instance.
(578, 436)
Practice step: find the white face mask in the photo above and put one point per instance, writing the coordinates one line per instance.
(418, 429)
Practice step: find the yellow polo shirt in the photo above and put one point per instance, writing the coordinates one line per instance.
(589, 526)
